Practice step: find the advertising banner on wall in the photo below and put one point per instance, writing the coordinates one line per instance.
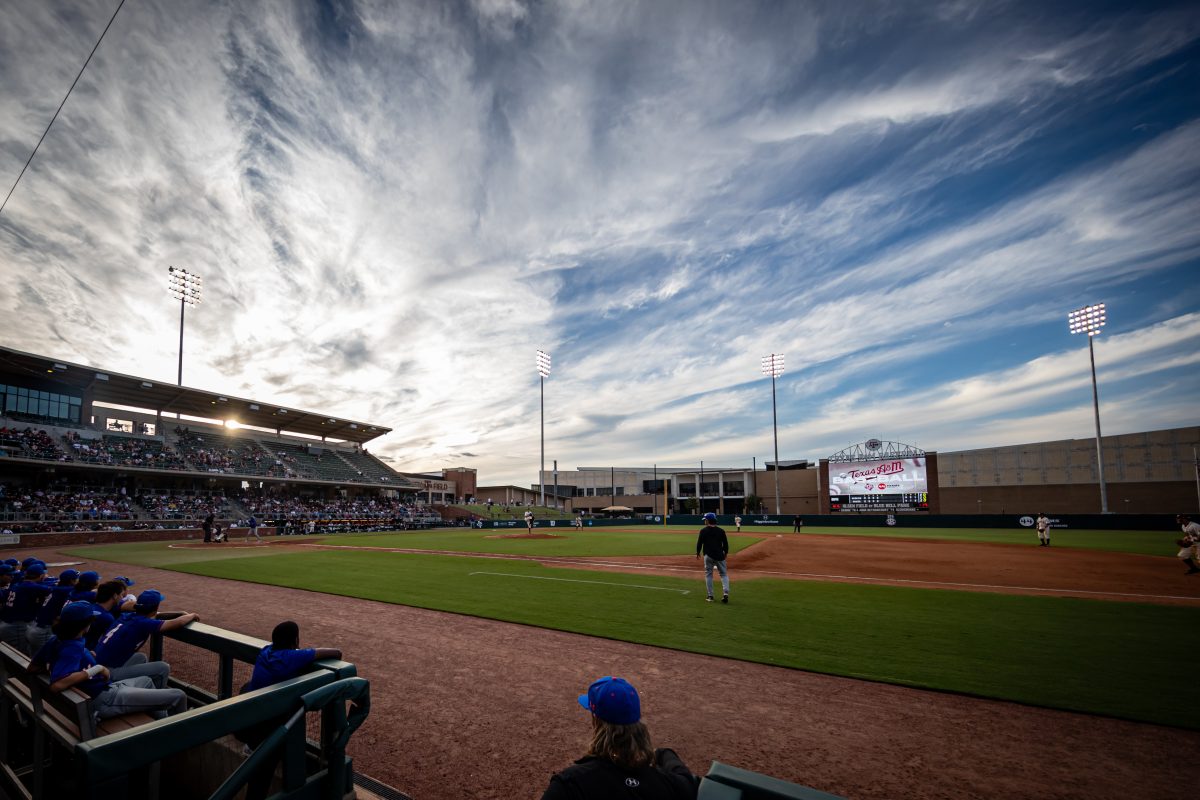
(887, 484)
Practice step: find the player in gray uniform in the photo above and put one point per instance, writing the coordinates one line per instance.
(1043, 530)
(1189, 545)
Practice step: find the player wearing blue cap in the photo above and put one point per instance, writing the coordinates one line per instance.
(621, 760)
(119, 646)
(715, 544)
(107, 605)
(71, 665)
(85, 587)
(21, 606)
(38, 632)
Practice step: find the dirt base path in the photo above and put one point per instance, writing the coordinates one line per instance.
(470, 708)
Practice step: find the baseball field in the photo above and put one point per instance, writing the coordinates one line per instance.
(1100, 624)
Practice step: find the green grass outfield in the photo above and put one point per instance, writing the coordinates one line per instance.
(1120, 659)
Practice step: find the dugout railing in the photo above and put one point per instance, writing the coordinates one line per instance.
(193, 754)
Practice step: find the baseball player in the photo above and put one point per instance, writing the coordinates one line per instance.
(253, 523)
(529, 521)
(737, 521)
(1043, 530)
(1189, 545)
(715, 544)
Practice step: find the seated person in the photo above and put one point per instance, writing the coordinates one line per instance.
(119, 646)
(38, 632)
(85, 587)
(107, 605)
(71, 665)
(621, 761)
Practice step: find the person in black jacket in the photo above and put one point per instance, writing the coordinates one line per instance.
(715, 544)
(621, 761)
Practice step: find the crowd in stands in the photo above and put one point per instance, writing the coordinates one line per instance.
(169, 506)
(30, 443)
(36, 504)
(318, 508)
(123, 451)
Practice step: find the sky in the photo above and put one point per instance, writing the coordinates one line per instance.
(394, 205)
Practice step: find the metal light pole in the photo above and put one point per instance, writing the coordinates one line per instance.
(1089, 320)
(773, 365)
(543, 368)
(184, 286)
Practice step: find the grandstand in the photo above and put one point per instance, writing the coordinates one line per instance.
(129, 452)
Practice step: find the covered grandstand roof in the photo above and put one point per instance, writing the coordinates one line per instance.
(116, 388)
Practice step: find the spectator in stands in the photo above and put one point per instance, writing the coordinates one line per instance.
(71, 665)
(120, 645)
(621, 761)
(40, 632)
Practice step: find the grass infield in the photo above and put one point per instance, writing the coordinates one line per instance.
(1118, 659)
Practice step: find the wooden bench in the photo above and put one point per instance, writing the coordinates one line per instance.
(65, 718)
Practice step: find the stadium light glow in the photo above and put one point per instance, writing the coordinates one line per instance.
(772, 365)
(1089, 320)
(185, 287)
(543, 367)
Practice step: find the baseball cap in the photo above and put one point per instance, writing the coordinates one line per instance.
(90, 575)
(77, 612)
(29, 560)
(6, 569)
(12, 562)
(711, 515)
(151, 598)
(68, 575)
(124, 580)
(35, 569)
(613, 700)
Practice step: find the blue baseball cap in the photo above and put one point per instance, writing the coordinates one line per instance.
(613, 700)
(90, 575)
(6, 569)
(124, 580)
(28, 560)
(12, 562)
(77, 612)
(35, 569)
(68, 575)
(710, 515)
(151, 598)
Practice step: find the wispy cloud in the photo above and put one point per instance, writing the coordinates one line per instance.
(393, 206)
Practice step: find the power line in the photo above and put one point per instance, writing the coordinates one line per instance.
(60, 106)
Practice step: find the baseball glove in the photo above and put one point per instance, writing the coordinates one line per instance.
(1183, 543)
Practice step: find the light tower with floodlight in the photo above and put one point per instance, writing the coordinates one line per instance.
(543, 368)
(773, 365)
(184, 286)
(1089, 320)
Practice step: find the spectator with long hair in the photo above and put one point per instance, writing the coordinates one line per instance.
(621, 760)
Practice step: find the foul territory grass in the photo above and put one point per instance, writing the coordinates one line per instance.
(1117, 659)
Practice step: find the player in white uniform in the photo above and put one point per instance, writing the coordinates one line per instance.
(1189, 545)
(529, 521)
(1043, 530)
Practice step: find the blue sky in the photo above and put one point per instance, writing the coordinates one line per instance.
(393, 205)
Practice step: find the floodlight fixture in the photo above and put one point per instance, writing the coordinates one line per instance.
(543, 368)
(186, 287)
(1089, 320)
(772, 366)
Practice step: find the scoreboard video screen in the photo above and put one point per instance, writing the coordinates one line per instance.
(888, 484)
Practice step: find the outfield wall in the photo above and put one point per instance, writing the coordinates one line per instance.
(1102, 522)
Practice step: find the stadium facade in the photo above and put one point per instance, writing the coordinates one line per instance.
(1145, 473)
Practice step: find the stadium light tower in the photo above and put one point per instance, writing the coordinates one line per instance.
(1089, 320)
(184, 287)
(543, 368)
(773, 365)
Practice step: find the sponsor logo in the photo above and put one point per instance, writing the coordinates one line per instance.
(891, 520)
(1026, 522)
(765, 521)
(882, 486)
(890, 468)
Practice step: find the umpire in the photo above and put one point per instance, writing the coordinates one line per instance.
(715, 544)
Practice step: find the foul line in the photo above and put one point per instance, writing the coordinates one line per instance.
(576, 580)
(863, 578)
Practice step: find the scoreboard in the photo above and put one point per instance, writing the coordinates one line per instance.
(889, 484)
